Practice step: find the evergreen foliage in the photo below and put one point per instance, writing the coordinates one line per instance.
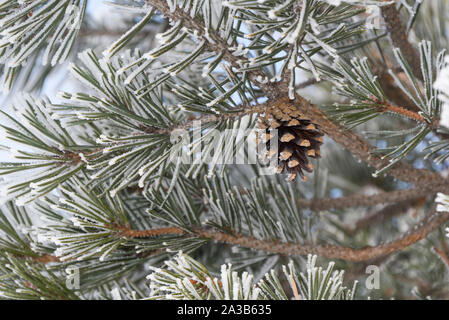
(131, 176)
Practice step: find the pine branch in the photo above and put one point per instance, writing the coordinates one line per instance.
(361, 149)
(352, 142)
(383, 214)
(45, 258)
(398, 36)
(391, 90)
(129, 233)
(420, 231)
(360, 200)
(244, 110)
(214, 43)
(388, 107)
(90, 150)
(259, 108)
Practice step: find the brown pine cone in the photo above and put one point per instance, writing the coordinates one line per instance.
(298, 139)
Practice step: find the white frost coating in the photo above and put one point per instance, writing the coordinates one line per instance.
(115, 293)
(443, 202)
(224, 281)
(331, 51)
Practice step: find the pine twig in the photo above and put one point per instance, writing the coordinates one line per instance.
(392, 91)
(242, 111)
(417, 233)
(352, 142)
(218, 44)
(387, 212)
(361, 200)
(129, 233)
(388, 107)
(399, 39)
(364, 151)
(45, 258)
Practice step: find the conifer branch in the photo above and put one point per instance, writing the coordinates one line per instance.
(361, 200)
(113, 191)
(390, 88)
(383, 214)
(243, 110)
(129, 233)
(218, 44)
(361, 149)
(45, 258)
(40, 258)
(420, 231)
(388, 107)
(398, 36)
(351, 141)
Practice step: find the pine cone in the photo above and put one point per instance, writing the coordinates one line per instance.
(298, 139)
